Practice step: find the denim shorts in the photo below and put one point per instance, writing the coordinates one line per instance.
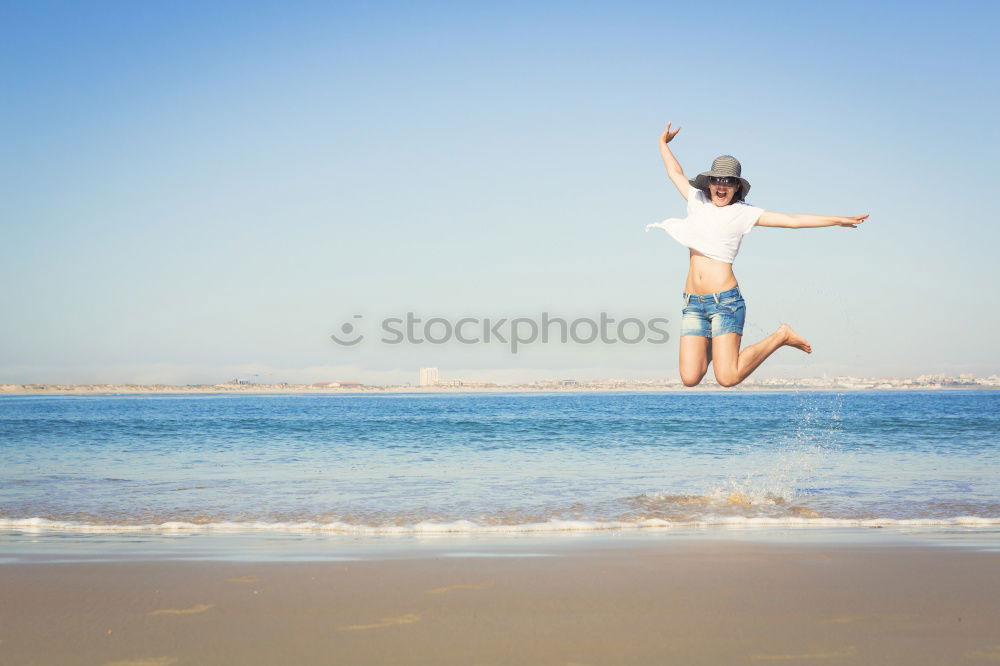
(716, 314)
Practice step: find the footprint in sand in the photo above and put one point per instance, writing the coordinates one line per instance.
(242, 579)
(845, 619)
(200, 608)
(835, 654)
(148, 661)
(989, 654)
(465, 586)
(409, 618)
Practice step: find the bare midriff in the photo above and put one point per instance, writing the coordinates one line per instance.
(708, 276)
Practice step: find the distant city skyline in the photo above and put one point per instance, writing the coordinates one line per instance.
(427, 377)
(195, 192)
(238, 386)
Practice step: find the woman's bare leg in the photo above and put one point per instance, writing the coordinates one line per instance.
(732, 366)
(696, 354)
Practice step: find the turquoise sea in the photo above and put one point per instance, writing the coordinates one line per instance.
(455, 465)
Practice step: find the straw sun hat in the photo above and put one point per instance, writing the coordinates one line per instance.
(722, 166)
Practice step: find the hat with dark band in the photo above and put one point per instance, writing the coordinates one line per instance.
(722, 166)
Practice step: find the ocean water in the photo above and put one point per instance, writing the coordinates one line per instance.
(457, 464)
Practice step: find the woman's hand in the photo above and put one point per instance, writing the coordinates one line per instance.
(674, 169)
(851, 222)
(668, 135)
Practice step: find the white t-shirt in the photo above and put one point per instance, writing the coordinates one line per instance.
(715, 231)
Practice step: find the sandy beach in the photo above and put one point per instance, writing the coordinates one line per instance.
(684, 602)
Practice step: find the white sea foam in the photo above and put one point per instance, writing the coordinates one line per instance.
(469, 527)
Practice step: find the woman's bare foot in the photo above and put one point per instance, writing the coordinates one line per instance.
(793, 339)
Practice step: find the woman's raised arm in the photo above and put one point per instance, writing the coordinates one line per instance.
(674, 169)
(785, 220)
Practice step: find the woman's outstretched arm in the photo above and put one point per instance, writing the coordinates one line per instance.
(674, 169)
(785, 220)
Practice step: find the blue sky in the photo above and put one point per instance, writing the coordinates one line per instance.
(191, 192)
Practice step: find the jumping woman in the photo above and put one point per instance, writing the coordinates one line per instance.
(714, 310)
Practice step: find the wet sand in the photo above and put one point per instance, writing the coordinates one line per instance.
(669, 603)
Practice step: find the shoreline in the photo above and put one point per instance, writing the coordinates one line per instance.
(685, 602)
(60, 545)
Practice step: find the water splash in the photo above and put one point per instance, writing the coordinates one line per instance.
(782, 472)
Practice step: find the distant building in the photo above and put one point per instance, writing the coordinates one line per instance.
(428, 377)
